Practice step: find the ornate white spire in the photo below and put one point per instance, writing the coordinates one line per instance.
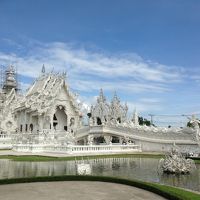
(135, 117)
(64, 74)
(101, 110)
(118, 112)
(101, 97)
(115, 99)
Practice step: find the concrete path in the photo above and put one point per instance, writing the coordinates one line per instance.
(74, 190)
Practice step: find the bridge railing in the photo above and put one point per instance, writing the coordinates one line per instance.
(152, 132)
(71, 149)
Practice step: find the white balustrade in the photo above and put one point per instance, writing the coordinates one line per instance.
(76, 148)
(3, 136)
(139, 131)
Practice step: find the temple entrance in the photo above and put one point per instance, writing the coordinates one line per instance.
(99, 121)
(60, 119)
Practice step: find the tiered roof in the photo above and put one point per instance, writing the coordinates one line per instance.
(44, 91)
(106, 112)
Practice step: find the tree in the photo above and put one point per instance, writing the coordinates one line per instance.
(189, 124)
(144, 121)
(89, 115)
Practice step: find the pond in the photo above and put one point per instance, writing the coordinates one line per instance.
(136, 168)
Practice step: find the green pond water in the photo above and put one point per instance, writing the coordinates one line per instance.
(145, 169)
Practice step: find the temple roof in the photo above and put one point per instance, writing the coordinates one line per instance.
(46, 84)
(43, 92)
(108, 111)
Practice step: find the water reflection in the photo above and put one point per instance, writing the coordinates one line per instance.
(137, 168)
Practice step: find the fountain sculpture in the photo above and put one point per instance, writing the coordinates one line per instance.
(176, 163)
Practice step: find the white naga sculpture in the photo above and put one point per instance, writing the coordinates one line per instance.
(175, 163)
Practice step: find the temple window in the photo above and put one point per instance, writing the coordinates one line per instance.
(54, 125)
(31, 127)
(21, 127)
(119, 119)
(26, 128)
(54, 117)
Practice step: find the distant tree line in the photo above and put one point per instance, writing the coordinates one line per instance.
(143, 121)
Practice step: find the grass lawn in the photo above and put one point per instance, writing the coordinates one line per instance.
(37, 158)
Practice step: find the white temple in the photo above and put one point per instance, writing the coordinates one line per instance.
(48, 118)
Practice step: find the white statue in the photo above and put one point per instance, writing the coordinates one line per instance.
(108, 139)
(175, 163)
(195, 124)
(90, 139)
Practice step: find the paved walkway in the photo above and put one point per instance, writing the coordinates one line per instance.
(74, 190)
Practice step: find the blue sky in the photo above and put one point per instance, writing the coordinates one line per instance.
(147, 51)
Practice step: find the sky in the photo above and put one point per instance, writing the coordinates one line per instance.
(146, 51)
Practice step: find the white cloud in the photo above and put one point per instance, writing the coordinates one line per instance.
(88, 70)
(150, 100)
(144, 107)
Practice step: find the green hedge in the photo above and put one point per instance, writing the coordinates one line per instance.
(168, 192)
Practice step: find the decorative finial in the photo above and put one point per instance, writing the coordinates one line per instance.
(116, 98)
(43, 69)
(101, 95)
(135, 117)
(101, 92)
(11, 68)
(115, 94)
(126, 106)
(64, 74)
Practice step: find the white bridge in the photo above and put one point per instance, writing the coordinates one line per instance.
(149, 138)
(143, 139)
(152, 134)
